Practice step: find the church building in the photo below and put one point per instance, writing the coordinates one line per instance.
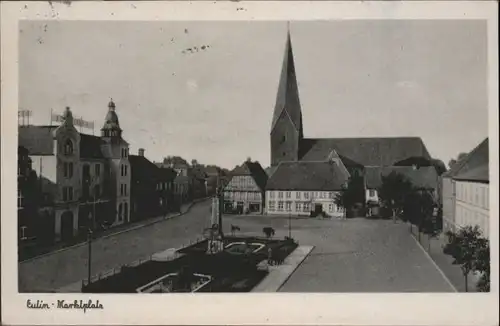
(297, 161)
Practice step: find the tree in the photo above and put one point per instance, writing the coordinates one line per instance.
(352, 193)
(174, 160)
(460, 157)
(439, 166)
(482, 265)
(464, 247)
(394, 191)
(194, 162)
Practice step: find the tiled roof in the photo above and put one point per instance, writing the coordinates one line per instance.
(423, 178)
(314, 176)
(270, 170)
(365, 151)
(479, 156)
(479, 174)
(287, 98)
(38, 140)
(142, 168)
(90, 146)
(253, 169)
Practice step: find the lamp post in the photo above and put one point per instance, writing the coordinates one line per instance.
(91, 226)
(290, 225)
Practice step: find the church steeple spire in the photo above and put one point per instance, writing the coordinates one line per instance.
(286, 127)
(111, 127)
(287, 98)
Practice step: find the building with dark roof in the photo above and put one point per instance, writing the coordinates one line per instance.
(471, 193)
(473, 165)
(245, 191)
(151, 189)
(84, 179)
(364, 155)
(298, 188)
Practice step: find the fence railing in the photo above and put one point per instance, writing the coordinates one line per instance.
(116, 270)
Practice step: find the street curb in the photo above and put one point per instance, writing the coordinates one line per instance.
(435, 265)
(278, 284)
(116, 233)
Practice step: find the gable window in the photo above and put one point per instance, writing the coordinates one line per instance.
(97, 169)
(68, 147)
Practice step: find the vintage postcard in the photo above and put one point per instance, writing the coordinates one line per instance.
(250, 163)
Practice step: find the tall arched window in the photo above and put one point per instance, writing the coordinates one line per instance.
(120, 212)
(68, 147)
(125, 211)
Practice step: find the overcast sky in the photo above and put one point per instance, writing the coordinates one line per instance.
(356, 79)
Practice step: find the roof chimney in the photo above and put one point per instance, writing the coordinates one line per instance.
(141, 151)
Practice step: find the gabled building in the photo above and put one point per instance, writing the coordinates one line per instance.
(289, 146)
(478, 158)
(302, 188)
(84, 180)
(245, 191)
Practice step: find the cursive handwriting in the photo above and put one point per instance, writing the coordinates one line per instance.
(39, 304)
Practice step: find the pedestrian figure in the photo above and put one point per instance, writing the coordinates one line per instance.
(269, 256)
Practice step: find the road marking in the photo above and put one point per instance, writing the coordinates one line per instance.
(435, 265)
(109, 235)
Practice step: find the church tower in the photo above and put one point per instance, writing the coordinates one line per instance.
(286, 127)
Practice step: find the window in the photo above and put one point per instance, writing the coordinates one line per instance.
(288, 194)
(280, 194)
(280, 206)
(322, 194)
(97, 169)
(298, 207)
(126, 170)
(272, 206)
(288, 206)
(120, 212)
(20, 199)
(68, 147)
(97, 191)
(306, 195)
(67, 193)
(271, 194)
(123, 189)
(125, 211)
(330, 207)
(371, 192)
(124, 152)
(297, 194)
(331, 195)
(476, 199)
(68, 169)
(307, 207)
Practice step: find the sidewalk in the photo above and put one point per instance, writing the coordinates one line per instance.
(112, 232)
(434, 247)
(278, 275)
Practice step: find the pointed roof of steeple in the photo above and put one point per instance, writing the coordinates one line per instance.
(288, 94)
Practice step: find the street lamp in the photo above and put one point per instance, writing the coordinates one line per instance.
(91, 226)
(289, 225)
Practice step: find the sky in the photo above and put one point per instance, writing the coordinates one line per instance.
(358, 78)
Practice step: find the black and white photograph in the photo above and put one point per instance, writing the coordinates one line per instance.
(286, 156)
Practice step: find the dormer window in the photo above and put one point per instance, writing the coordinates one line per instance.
(68, 147)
